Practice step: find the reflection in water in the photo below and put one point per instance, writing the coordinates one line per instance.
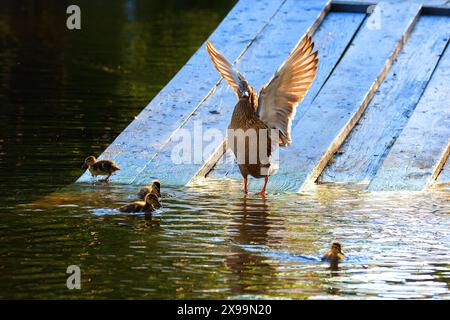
(65, 95)
(213, 242)
(250, 226)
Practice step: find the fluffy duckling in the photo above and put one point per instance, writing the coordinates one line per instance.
(149, 204)
(154, 188)
(335, 254)
(100, 167)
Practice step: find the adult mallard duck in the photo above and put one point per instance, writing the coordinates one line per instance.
(335, 254)
(149, 204)
(100, 167)
(154, 187)
(255, 115)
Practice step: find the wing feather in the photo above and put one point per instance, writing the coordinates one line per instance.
(231, 75)
(279, 98)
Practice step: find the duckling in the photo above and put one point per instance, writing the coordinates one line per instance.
(149, 204)
(335, 254)
(154, 188)
(100, 167)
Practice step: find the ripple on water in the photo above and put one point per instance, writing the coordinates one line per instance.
(214, 242)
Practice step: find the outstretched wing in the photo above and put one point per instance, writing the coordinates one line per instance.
(226, 69)
(279, 98)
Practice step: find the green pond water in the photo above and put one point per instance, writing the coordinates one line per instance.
(66, 94)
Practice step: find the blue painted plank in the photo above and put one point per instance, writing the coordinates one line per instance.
(344, 96)
(423, 143)
(427, 2)
(370, 141)
(258, 64)
(143, 138)
(331, 39)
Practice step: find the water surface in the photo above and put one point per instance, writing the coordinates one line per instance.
(211, 241)
(65, 95)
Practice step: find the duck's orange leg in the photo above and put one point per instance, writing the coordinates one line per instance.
(263, 191)
(245, 185)
(106, 179)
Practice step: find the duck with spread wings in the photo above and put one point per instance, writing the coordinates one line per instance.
(265, 118)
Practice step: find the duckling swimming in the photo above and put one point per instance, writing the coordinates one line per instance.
(335, 254)
(149, 204)
(100, 167)
(154, 188)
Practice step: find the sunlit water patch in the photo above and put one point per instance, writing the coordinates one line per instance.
(214, 242)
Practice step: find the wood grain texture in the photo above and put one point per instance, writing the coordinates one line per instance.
(151, 129)
(258, 64)
(422, 145)
(427, 2)
(344, 96)
(331, 40)
(371, 139)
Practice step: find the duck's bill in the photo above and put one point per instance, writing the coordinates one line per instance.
(84, 166)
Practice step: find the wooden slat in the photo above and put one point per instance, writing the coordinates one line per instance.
(331, 40)
(427, 2)
(142, 139)
(344, 96)
(388, 112)
(444, 176)
(258, 64)
(423, 144)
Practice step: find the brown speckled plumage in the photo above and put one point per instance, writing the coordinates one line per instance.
(273, 108)
(335, 254)
(244, 117)
(149, 204)
(154, 187)
(100, 167)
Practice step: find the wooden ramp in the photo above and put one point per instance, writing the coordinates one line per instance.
(378, 113)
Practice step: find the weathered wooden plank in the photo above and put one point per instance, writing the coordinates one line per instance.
(388, 112)
(427, 2)
(434, 8)
(344, 96)
(142, 139)
(331, 39)
(258, 64)
(423, 144)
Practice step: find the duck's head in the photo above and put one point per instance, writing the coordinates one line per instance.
(244, 89)
(143, 192)
(89, 162)
(152, 200)
(154, 188)
(336, 248)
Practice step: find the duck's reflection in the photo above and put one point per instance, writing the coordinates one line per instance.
(251, 228)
